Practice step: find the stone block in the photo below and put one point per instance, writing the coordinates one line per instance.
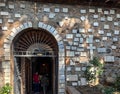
(68, 68)
(7, 58)
(76, 39)
(25, 25)
(83, 68)
(12, 34)
(10, 20)
(117, 15)
(81, 30)
(89, 40)
(46, 9)
(52, 29)
(81, 45)
(61, 81)
(80, 49)
(100, 10)
(4, 13)
(70, 53)
(116, 32)
(95, 24)
(78, 35)
(73, 48)
(17, 15)
(79, 83)
(101, 50)
(78, 69)
(81, 40)
(109, 34)
(74, 31)
(48, 27)
(4, 28)
(61, 77)
(69, 36)
(6, 41)
(83, 54)
(29, 24)
(7, 71)
(83, 81)
(74, 83)
(7, 50)
(2, 4)
(61, 90)
(112, 11)
(90, 30)
(61, 85)
(22, 6)
(7, 80)
(72, 77)
(11, 6)
(104, 38)
(51, 15)
(65, 10)
(106, 12)
(100, 31)
(102, 19)
(6, 65)
(97, 40)
(116, 23)
(92, 10)
(83, 11)
(95, 16)
(57, 10)
(82, 18)
(109, 19)
(44, 26)
(113, 47)
(6, 45)
(115, 39)
(106, 26)
(22, 27)
(68, 47)
(0, 21)
(109, 58)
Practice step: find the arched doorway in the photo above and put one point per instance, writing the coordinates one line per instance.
(34, 50)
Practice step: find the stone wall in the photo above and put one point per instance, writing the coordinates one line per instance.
(87, 31)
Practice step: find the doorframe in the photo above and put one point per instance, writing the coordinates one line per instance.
(54, 73)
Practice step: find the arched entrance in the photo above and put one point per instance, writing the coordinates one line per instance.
(10, 58)
(34, 50)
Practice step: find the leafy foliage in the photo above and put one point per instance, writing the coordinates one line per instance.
(117, 84)
(6, 89)
(108, 90)
(94, 69)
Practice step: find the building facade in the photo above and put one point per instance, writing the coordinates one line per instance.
(66, 36)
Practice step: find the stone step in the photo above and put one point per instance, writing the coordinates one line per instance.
(72, 90)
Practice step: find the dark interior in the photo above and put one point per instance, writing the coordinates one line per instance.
(44, 66)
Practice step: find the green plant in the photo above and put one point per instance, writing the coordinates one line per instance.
(108, 90)
(117, 84)
(6, 89)
(94, 70)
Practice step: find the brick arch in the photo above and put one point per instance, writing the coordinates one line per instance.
(61, 55)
